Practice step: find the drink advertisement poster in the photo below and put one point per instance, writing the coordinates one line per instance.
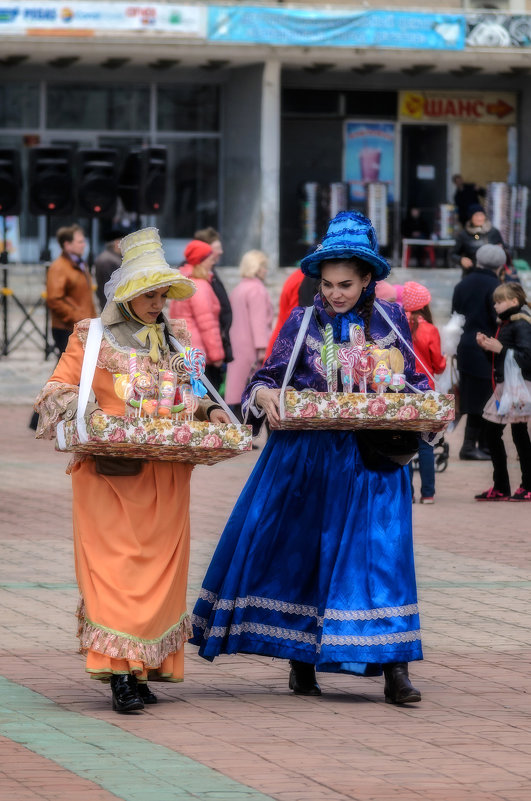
(369, 155)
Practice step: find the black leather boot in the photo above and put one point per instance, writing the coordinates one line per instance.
(147, 696)
(125, 697)
(398, 688)
(302, 678)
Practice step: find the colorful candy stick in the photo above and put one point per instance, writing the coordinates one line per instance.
(330, 361)
(357, 336)
(190, 401)
(166, 392)
(194, 362)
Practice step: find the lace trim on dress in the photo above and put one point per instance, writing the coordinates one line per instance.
(227, 604)
(375, 639)
(119, 645)
(115, 357)
(51, 404)
(385, 341)
(259, 628)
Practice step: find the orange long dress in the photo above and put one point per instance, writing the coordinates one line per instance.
(131, 544)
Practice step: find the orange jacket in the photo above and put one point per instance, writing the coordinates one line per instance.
(68, 293)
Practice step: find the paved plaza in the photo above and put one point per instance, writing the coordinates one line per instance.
(232, 730)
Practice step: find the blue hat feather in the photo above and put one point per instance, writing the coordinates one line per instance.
(350, 234)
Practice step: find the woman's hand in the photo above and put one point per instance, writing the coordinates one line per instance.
(489, 343)
(466, 262)
(269, 401)
(219, 416)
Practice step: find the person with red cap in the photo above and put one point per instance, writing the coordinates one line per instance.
(201, 311)
(427, 346)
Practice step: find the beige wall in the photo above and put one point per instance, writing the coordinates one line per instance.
(484, 153)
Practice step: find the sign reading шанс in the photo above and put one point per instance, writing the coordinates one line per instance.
(465, 107)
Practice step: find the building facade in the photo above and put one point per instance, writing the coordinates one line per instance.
(272, 116)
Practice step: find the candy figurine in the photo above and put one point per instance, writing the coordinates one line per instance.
(166, 392)
(381, 377)
(364, 369)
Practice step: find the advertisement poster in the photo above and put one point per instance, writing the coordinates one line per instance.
(12, 238)
(369, 156)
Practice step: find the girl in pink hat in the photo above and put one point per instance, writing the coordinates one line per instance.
(427, 346)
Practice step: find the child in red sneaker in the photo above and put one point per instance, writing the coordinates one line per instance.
(513, 334)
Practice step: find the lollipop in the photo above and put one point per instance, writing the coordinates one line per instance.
(123, 386)
(194, 362)
(328, 355)
(144, 385)
(177, 366)
(348, 358)
(190, 401)
(381, 377)
(357, 336)
(363, 369)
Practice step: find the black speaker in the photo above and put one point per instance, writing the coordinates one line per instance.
(97, 181)
(10, 182)
(142, 185)
(51, 183)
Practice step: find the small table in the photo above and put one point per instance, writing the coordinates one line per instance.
(434, 243)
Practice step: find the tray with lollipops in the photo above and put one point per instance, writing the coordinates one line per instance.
(158, 423)
(372, 380)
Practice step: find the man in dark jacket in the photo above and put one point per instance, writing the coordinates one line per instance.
(107, 262)
(473, 298)
(466, 195)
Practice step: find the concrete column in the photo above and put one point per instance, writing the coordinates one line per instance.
(524, 155)
(270, 161)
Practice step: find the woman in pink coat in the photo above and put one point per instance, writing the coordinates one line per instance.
(201, 311)
(252, 317)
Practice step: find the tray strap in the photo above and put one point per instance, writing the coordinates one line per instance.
(293, 358)
(406, 343)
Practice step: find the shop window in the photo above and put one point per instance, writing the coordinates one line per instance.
(310, 101)
(88, 107)
(188, 108)
(371, 104)
(19, 105)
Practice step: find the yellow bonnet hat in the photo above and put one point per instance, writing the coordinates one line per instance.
(144, 267)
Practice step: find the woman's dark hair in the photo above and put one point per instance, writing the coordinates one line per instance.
(362, 270)
(414, 316)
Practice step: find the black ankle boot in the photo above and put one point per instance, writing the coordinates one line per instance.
(398, 688)
(147, 696)
(302, 678)
(125, 697)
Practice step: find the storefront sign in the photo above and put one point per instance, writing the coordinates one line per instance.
(464, 107)
(49, 18)
(498, 30)
(291, 27)
(369, 156)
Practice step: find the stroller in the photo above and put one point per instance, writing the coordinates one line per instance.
(441, 452)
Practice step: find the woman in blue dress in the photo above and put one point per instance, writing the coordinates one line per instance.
(315, 564)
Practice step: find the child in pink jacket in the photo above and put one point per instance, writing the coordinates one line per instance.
(201, 311)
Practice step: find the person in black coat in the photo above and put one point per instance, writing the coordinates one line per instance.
(473, 298)
(466, 195)
(477, 232)
(513, 333)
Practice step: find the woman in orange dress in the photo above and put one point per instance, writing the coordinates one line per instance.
(131, 517)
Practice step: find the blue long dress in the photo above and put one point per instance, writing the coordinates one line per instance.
(316, 560)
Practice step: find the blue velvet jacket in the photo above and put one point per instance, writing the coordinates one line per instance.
(306, 375)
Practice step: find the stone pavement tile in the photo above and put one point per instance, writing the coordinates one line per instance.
(237, 715)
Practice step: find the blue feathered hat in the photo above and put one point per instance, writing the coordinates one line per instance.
(350, 234)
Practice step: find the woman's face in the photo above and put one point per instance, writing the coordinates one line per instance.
(207, 265)
(478, 219)
(506, 303)
(149, 305)
(342, 286)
